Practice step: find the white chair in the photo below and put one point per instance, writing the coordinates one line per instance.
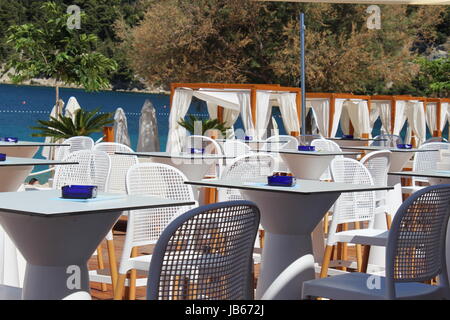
(145, 226)
(235, 148)
(119, 165)
(378, 163)
(353, 207)
(76, 144)
(277, 143)
(326, 145)
(425, 161)
(210, 146)
(416, 252)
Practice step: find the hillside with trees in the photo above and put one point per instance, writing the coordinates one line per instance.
(158, 42)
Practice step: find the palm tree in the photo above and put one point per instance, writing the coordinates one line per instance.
(207, 124)
(84, 124)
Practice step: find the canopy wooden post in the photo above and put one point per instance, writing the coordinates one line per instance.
(330, 120)
(220, 113)
(393, 106)
(108, 133)
(438, 132)
(253, 105)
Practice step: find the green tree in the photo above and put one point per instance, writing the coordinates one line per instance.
(50, 49)
(84, 124)
(434, 77)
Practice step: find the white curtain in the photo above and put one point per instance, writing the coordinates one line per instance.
(358, 114)
(345, 119)
(431, 116)
(180, 105)
(288, 108)
(263, 113)
(444, 116)
(246, 113)
(374, 113)
(321, 109)
(337, 116)
(230, 117)
(400, 117)
(416, 119)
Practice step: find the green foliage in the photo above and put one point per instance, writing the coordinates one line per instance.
(434, 76)
(207, 124)
(52, 50)
(84, 124)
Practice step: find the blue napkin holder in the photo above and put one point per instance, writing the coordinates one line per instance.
(248, 138)
(306, 148)
(347, 136)
(281, 181)
(79, 192)
(197, 151)
(11, 139)
(2, 157)
(404, 146)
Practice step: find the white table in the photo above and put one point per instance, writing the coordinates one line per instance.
(309, 164)
(355, 142)
(13, 172)
(25, 149)
(288, 215)
(253, 144)
(434, 177)
(58, 236)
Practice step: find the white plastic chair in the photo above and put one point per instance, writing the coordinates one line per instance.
(353, 207)
(120, 164)
(277, 143)
(145, 226)
(211, 147)
(326, 145)
(235, 148)
(76, 144)
(416, 252)
(378, 163)
(425, 161)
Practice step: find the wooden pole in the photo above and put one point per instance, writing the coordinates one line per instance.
(438, 132)
(330, 120)
(108, 133)
(253, 105)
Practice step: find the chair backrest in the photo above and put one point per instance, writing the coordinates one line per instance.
(387, 140)
(280, 142)
(234, 148)
(249, 167)
(353, 206)
(378, 163)
(76, 144)
(417, 239)
(326, 145)
(93, 168)
(145, 226)
(119, 164)
(206, 254)
(428, 160)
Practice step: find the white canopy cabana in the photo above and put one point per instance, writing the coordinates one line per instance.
(229, 101)
(394, 111)
(437, 115)
(332, 109)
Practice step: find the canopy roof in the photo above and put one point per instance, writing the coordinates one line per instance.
(410, 2)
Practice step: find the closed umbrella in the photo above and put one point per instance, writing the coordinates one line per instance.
(48, 152)
(72, 107)
(148, 129)
(121, 128)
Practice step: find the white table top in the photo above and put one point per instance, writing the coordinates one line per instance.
(50, 204)
(175, 155)
(355, 139)
(427, 173)
(31, 144)
(254, 141)
(302, 187)
(16, 162)
(312, 153)
(378, 148)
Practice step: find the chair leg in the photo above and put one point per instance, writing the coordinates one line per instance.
(112, 263)
(133, 277)
(326, 261)
(365, 259)
(118, 292)
(326, 223)
(101, 265)
(359, 257)
(388, 221)
(261, 238)
(344, 246)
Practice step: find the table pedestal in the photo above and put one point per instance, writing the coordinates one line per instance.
(306, 166)
(287, 258)
(57, 250)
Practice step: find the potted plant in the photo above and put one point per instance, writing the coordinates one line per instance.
(207, 125)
